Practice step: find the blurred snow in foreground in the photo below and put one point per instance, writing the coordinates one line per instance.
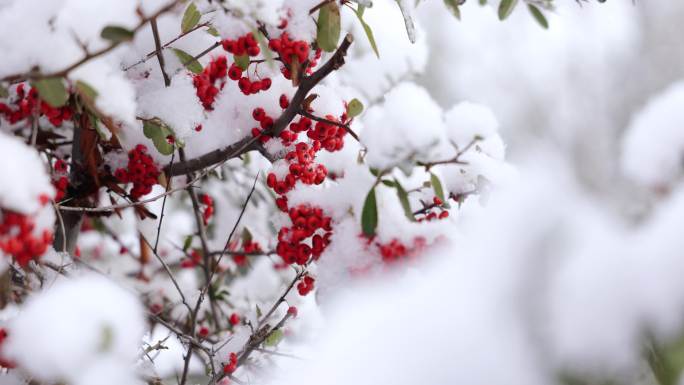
(545, 281)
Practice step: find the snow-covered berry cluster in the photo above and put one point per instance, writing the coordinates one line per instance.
(395, 250)
(211, 81)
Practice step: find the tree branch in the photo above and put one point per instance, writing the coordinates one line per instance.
(248, 144)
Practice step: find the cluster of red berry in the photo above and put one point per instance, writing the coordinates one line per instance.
(59, 179)
(25, 104)
(306, 221)
(244, 45)
(249, 87)
(430, 215)
(141, 171)
(302, 168)
(305, 285)
(230, 367)
(17, 237)
(208, 207)
(194, 260)
(324, 135)
(247, 247)
(290, 50)
(265, 124)
(395, 250)
(205, 82)
(329, 135)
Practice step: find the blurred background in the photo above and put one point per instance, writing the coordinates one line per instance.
(575, 86)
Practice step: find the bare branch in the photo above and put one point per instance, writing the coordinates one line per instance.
(160, 55)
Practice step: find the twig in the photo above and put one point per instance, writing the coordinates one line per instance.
(282, 297)
(232, 231)
(169, 273)
(160, 55)
(150, 55)
(161, 218)
(61, 226)
(455, 160)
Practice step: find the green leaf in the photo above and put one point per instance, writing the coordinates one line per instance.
(86, 90)
(263, 45)
(188, 61)
(369, 215)
(506, 7)
(52, 91)
(95, 123)
(187, 243)
(3, 92)
(106, 338)
(437, 186)
(354, 108)
(246, 236)
(538, 15)
(116, 34)
(439, 190)
(368, 30)
(158, 132)
(212, 31)
(274, 338)
(242, 61)
(190, 18)
(452, 5)
(258, 311)
(403, 199)
(666, 360)
(328, 33)
(388, 183)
